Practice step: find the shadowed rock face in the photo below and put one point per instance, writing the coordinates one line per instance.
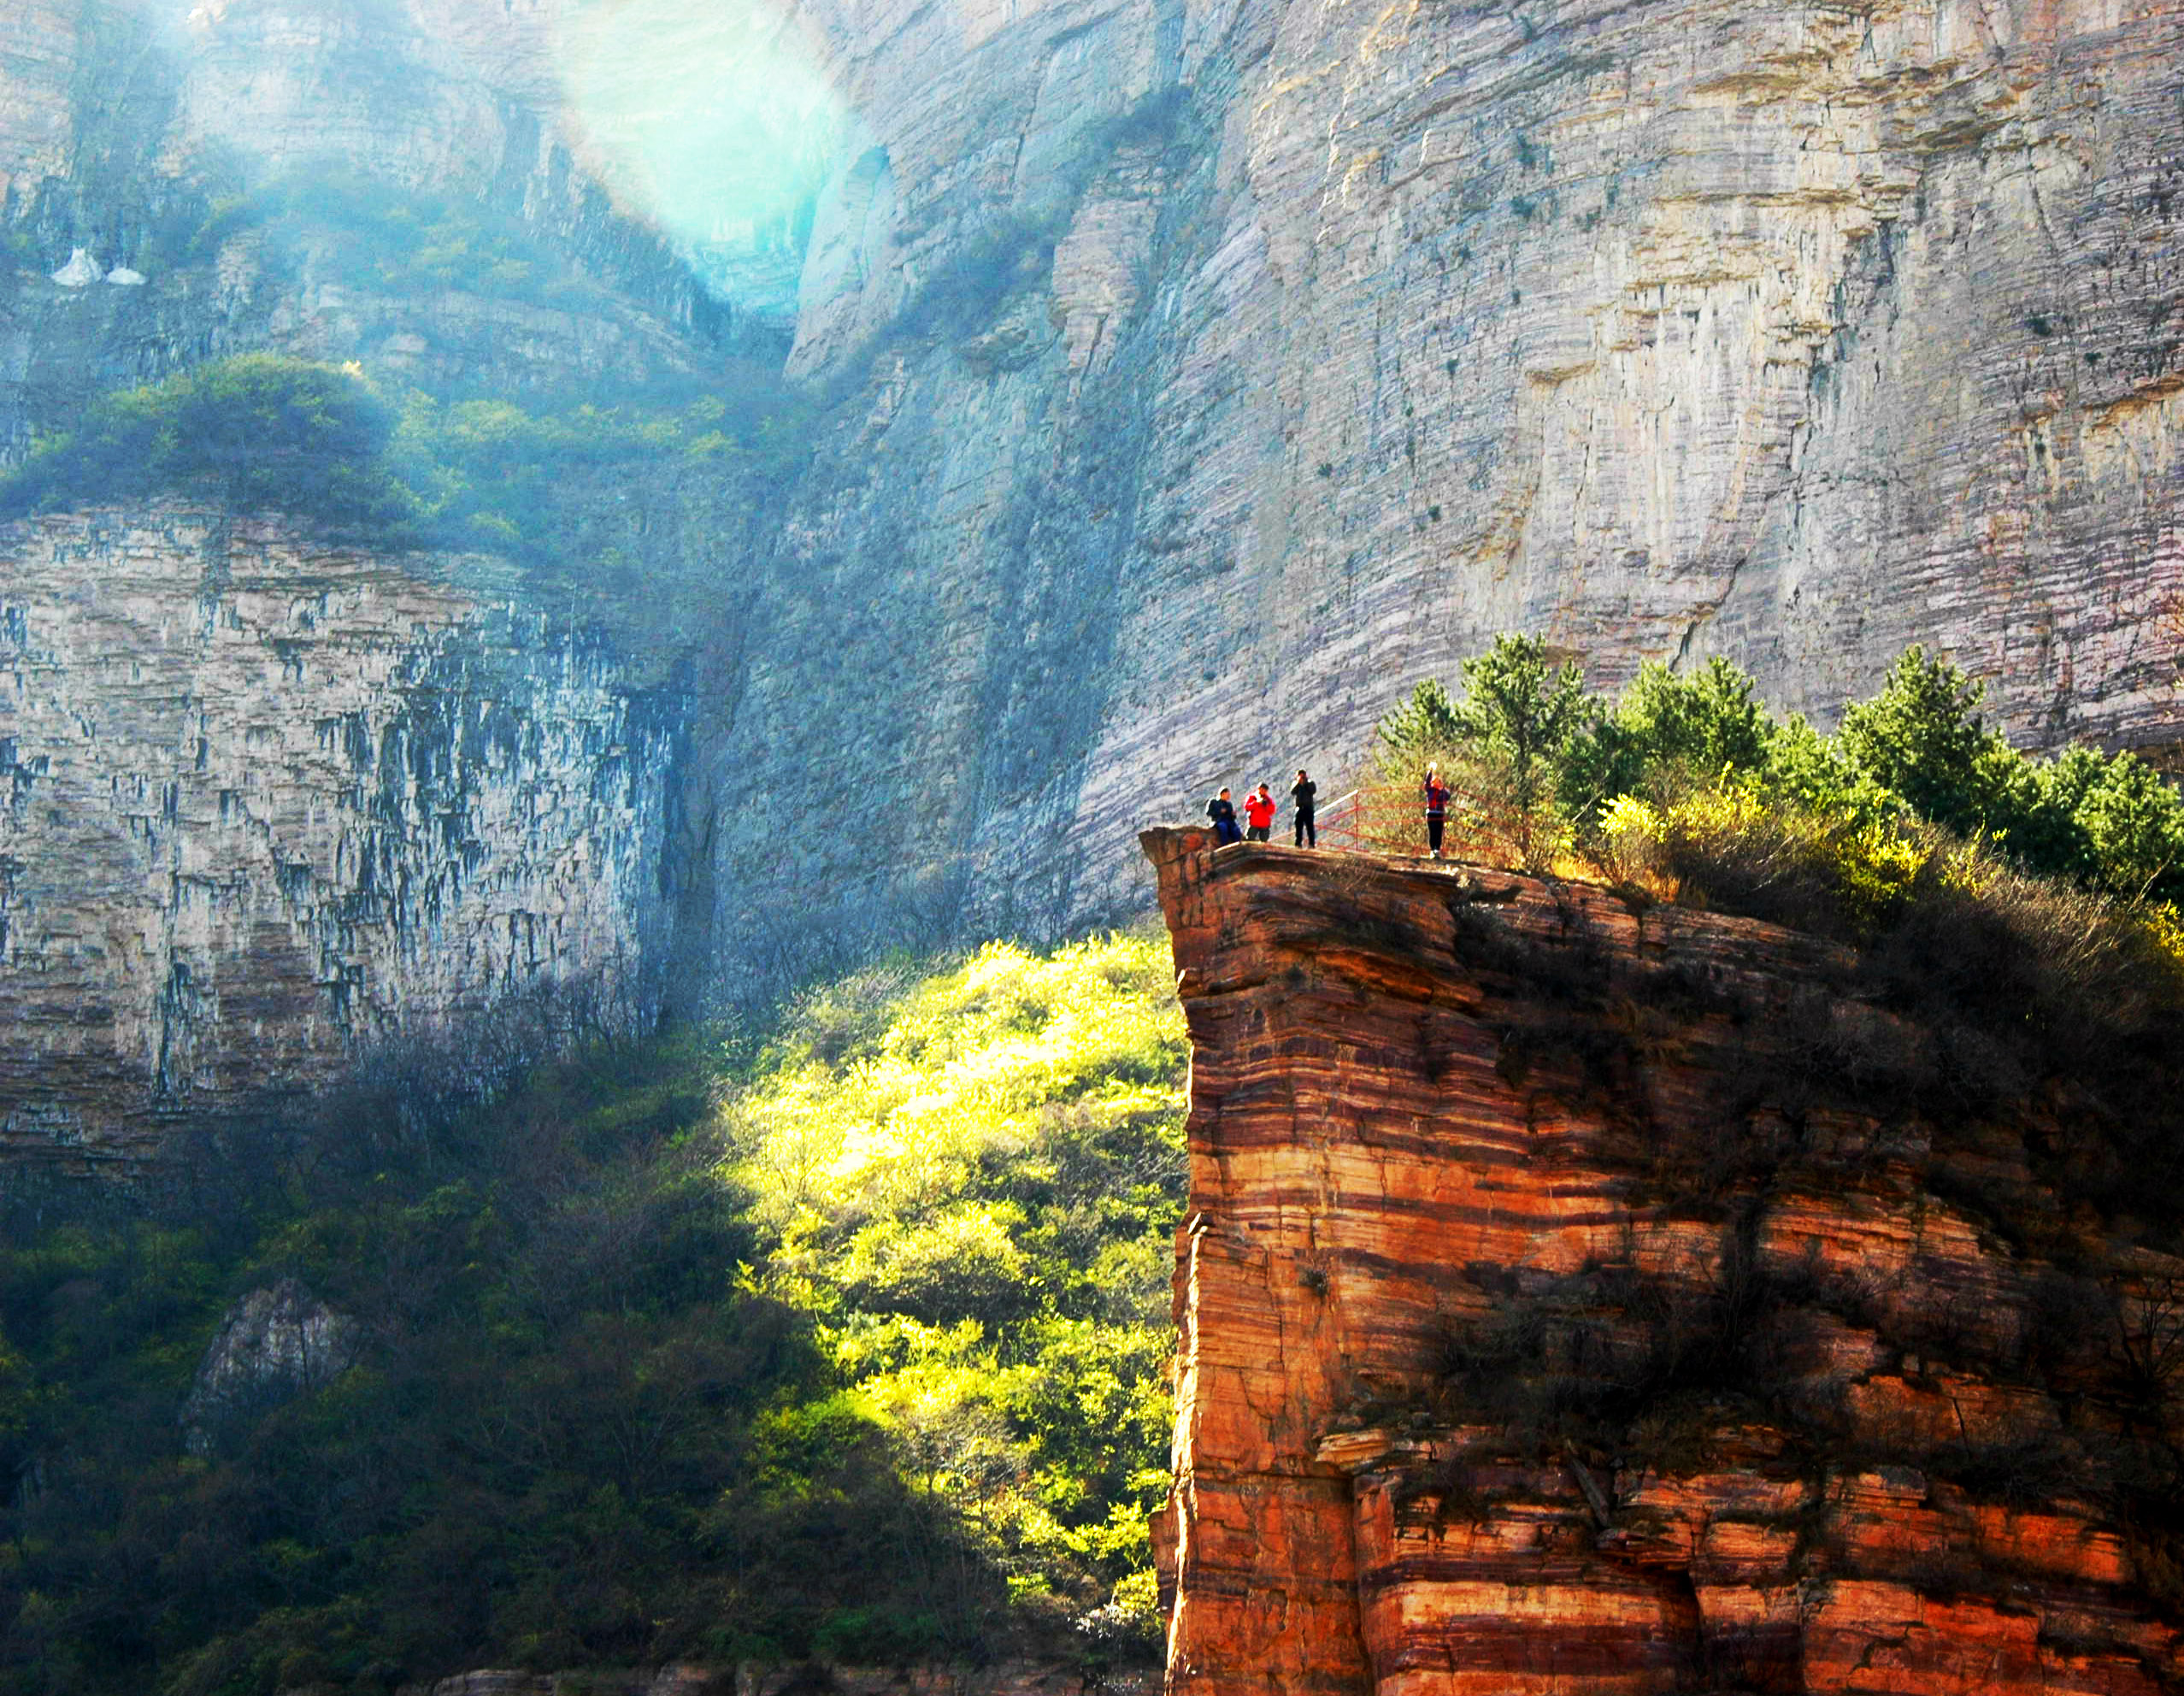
(266, 807)
(1586, 1300)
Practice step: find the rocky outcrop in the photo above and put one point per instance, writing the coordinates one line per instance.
(274, 1345)
(1211, 373)
(267, 806)
(1588, 1297)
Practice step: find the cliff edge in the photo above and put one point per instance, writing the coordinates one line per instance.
(1586, 1296)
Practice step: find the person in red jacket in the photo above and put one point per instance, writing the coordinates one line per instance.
(1436, 809)
(1258, 813)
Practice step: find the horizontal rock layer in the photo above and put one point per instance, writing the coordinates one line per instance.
(266, 807)
(1572, 1300)
(1795, 335)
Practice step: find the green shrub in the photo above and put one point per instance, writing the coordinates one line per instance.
(261, 432)
(1773, 815)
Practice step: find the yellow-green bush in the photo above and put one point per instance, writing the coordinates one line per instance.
(975, 1178)
(856, 1345)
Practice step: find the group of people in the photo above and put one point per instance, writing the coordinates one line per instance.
(1259, 808)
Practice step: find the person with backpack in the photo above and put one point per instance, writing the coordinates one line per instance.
(1436, 809)
(1258, 811)
(1222, 811)
(1301, 793)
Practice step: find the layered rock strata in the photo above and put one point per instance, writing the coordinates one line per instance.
(266, 806)
(1215, 371)
(1582, 1297)
(1189, 379)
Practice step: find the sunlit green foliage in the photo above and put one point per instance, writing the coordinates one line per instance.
(851, 1342)
(975, 1181)
(1709, 762)
(2037, 899)
(265, 432)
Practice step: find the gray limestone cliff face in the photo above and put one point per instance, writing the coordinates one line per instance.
(1210, 372)
(1195, 375)
(267, 807)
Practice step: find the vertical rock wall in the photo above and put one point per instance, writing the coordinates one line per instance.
(1193, 376)
(1213, 372)
(1482, 1169)
(265, 805)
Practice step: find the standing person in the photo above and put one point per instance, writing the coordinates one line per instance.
(1301, 793)
(1436, 809)
(1258, 810)
(1223, 811)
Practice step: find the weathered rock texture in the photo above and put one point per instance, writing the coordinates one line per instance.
(1193, 375)
(277, 1343)
(1586, 1299)
(265, 806)
(1210, 372)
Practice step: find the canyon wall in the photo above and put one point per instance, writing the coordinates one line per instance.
(1190, 377)
(1583, 1296)
(1207, 373)
(269, 806)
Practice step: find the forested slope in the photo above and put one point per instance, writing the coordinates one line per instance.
(846, 1339)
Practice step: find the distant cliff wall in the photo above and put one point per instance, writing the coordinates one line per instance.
(266, 806)
(1307, 346)
(1193, 376)
(1582, 1299)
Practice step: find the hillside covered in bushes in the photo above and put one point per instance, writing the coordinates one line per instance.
(845, 1339)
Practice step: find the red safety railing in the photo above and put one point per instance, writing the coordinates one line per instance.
(1391, 819)
(1341, 823)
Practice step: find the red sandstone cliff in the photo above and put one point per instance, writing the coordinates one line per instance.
(1584, 1299)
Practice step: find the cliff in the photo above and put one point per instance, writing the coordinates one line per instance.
(271, 806)
(1212, 372)
(1189, 379)
(1193, 377)
(1586, 1297)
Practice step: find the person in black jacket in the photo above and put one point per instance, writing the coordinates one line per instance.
(1302, 792)
(1223, 811)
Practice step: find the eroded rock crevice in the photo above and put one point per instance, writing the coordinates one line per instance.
(274, 806)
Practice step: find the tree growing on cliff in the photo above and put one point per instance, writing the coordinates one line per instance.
(1693, 764)
(1505, 742)
(261, 432)
(1697, 726)
(1422, 728)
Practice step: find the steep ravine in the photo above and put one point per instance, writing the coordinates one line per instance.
(1586, 1297)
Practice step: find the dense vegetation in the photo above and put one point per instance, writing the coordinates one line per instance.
(265, 432)
(848, 1341)
(1687, 785)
